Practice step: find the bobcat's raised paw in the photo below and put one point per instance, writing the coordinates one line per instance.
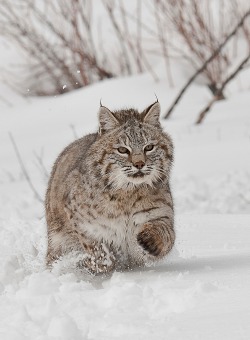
(150, 242)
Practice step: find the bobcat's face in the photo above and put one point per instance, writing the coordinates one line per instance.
(137, 151)
(140, 155)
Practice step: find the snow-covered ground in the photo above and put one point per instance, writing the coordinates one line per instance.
(201, 291)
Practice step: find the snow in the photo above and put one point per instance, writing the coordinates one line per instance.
(198, 292)
(201, 291)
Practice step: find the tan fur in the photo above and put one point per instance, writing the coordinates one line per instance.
(101, 204)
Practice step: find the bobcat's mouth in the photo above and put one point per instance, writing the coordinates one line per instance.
(136, 178)
(138, 174)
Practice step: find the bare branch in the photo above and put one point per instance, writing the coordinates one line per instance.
(220, 90)
(41, 166)
(56, 57)
(22, 166)
(74, 131)
(206, 63)
(110, 11)
(5, 101)
(164, 45)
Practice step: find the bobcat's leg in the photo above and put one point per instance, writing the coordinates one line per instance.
(56, 247)
(157, 237)
(98, 259)
(95, 258)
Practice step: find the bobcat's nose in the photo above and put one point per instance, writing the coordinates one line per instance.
(139, 165)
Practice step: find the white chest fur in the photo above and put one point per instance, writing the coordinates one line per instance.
(122, 231)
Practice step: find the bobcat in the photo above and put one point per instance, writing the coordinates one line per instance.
(108, 197)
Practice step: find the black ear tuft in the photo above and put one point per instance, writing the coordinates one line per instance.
(151, 114)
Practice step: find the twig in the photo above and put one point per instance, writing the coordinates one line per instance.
(110, 10)
(74, 131)
(163, 43)
(203, 67)
(70, 48)
(5, 101)
(139, 35)
(220, 90)
(26, 175)
(41, 165)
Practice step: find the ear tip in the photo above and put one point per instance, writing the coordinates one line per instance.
(100, 110)
(103, 109)
(157, 101)
(157, 105)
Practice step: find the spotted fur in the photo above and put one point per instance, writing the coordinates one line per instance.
(109, 197)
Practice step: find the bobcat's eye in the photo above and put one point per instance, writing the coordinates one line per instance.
(122, 149)
(149, 147)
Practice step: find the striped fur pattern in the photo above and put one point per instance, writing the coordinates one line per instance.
(108, 196)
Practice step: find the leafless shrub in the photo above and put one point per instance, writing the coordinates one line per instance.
(131, 33)
(57, 38)
(66, 47)
(218, 93)
(202, 39)
(205, 40)
(200, 33)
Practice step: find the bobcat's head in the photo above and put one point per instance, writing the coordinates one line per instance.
(131, 148)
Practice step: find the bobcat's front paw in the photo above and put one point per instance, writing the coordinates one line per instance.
(150, 241)
(98, 260)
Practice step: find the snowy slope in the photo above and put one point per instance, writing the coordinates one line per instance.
(200, 292)
(211, 154)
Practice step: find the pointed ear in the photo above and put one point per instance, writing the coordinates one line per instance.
(151, 114)
(107, 120)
